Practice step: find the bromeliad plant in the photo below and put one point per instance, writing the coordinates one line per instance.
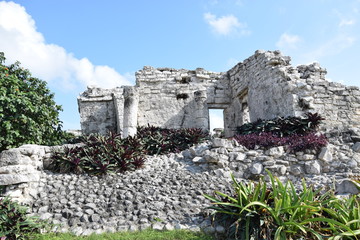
(298, 134)
(310, 141)
(109, 154)
(282, 126)
(281, 212)
(100, 155)
(158, 140)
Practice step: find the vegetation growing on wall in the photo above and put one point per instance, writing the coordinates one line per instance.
(296, 133)
(109, 154)
(28, 112)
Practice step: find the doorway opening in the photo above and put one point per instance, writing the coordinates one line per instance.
(245, 112)
(216, 118)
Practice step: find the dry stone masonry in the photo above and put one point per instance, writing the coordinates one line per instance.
(168, 192)
(263, 86)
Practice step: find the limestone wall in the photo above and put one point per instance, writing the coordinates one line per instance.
(264, 86)
(162, 97)
(20, 169)
(168, 96)
(259, 90)
(168, 192)
(99, 110)
(337, 103)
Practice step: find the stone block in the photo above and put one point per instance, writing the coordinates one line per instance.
(282, 170)
(296, 170)
(356, 157)
(352, 164)
(347, 186)
(356, 147)
(220, 142)
(212, 157)
(16, 193)
(313, 167)
(240, 156)
(276, 151)
(158, 226)
(32, 149)
(10, 179)
(252, 153)
(307, 157)
(256, 168)
(17, 169)
(13, 157)
(199, 160)
(326, 154)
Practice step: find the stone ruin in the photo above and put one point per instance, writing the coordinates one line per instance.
(263, 86)
(170, 187)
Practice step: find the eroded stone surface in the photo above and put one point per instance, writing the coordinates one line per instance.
(168, 192)
(265, 86)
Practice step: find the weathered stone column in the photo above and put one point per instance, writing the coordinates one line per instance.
(131, 102)
(118, 98)
(201, 110)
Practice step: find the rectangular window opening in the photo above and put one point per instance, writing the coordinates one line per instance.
(216, 118)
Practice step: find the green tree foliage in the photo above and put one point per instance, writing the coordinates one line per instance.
(28, 112)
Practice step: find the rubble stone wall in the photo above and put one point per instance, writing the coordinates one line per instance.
(270, 87)
(337, 103)
(99, 110)
(263, 86)
(168, 96)
(259, 85)
(20, 169)
(168, 192)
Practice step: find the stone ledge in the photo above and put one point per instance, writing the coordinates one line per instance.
(10, 179)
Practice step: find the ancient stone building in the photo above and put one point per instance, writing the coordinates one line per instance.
(264, 86)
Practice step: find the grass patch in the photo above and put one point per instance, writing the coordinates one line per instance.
(138, 235)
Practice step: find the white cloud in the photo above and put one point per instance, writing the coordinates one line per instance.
(346, 19)
(225, 25)
(288, 41)
(346, 22)
(332, 47)
(21, 41)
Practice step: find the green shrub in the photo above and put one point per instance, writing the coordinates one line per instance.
(282, 212)
(157, 140)
(100, 155)
(28, 113)
(14, 223)
(110, 154)
(282, 126)
(298, 134)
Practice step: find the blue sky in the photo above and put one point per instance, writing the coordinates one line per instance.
(75, 43)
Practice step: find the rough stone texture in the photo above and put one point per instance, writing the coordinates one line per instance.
(99, 110)
(20, 169)
(356, 147)
(264, 85)
(168, 192)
